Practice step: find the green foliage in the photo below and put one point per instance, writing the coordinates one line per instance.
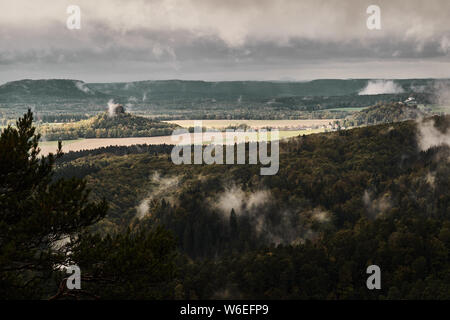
(36, 214)
(414, 263)
(341, 201)
(128, 265)
(121, 125)
(46, 224)
(383, 113)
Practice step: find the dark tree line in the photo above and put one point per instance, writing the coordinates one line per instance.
(44, 227)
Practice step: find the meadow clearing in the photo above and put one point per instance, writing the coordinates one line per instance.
(256, 124)
(89, 144)
(349, 109)
(437, 108)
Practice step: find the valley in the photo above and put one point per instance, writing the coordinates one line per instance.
(211, 158)
(361, 178)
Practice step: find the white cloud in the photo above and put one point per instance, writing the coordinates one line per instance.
(381, 87)
(429, 136)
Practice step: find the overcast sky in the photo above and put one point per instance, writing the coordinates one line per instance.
(223, 40)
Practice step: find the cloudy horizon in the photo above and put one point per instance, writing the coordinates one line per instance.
(222, 41)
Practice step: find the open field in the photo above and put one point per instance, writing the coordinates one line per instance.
(89, 144)
(444, 109)
(347, 109)
(255, 124)
(43, 144)
(285, 134)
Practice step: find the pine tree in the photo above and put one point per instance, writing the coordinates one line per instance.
(233, 225)
(38, 215)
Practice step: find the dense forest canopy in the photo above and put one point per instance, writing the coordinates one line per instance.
(340, 202)
(384, 113)
(44, 228)
(141, 227)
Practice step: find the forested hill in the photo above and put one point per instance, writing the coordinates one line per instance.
(52, 90)
(38, 91)
(341, 201)
(232, 90)
(179, 89)
(104, 125)
(384, 113)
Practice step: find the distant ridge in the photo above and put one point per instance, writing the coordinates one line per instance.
(181, 89)
(52, 89)
(176, 90)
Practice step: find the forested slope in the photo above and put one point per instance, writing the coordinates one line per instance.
(384, 113)
(341, 201)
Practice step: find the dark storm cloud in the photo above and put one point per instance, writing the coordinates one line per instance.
(221, 38)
